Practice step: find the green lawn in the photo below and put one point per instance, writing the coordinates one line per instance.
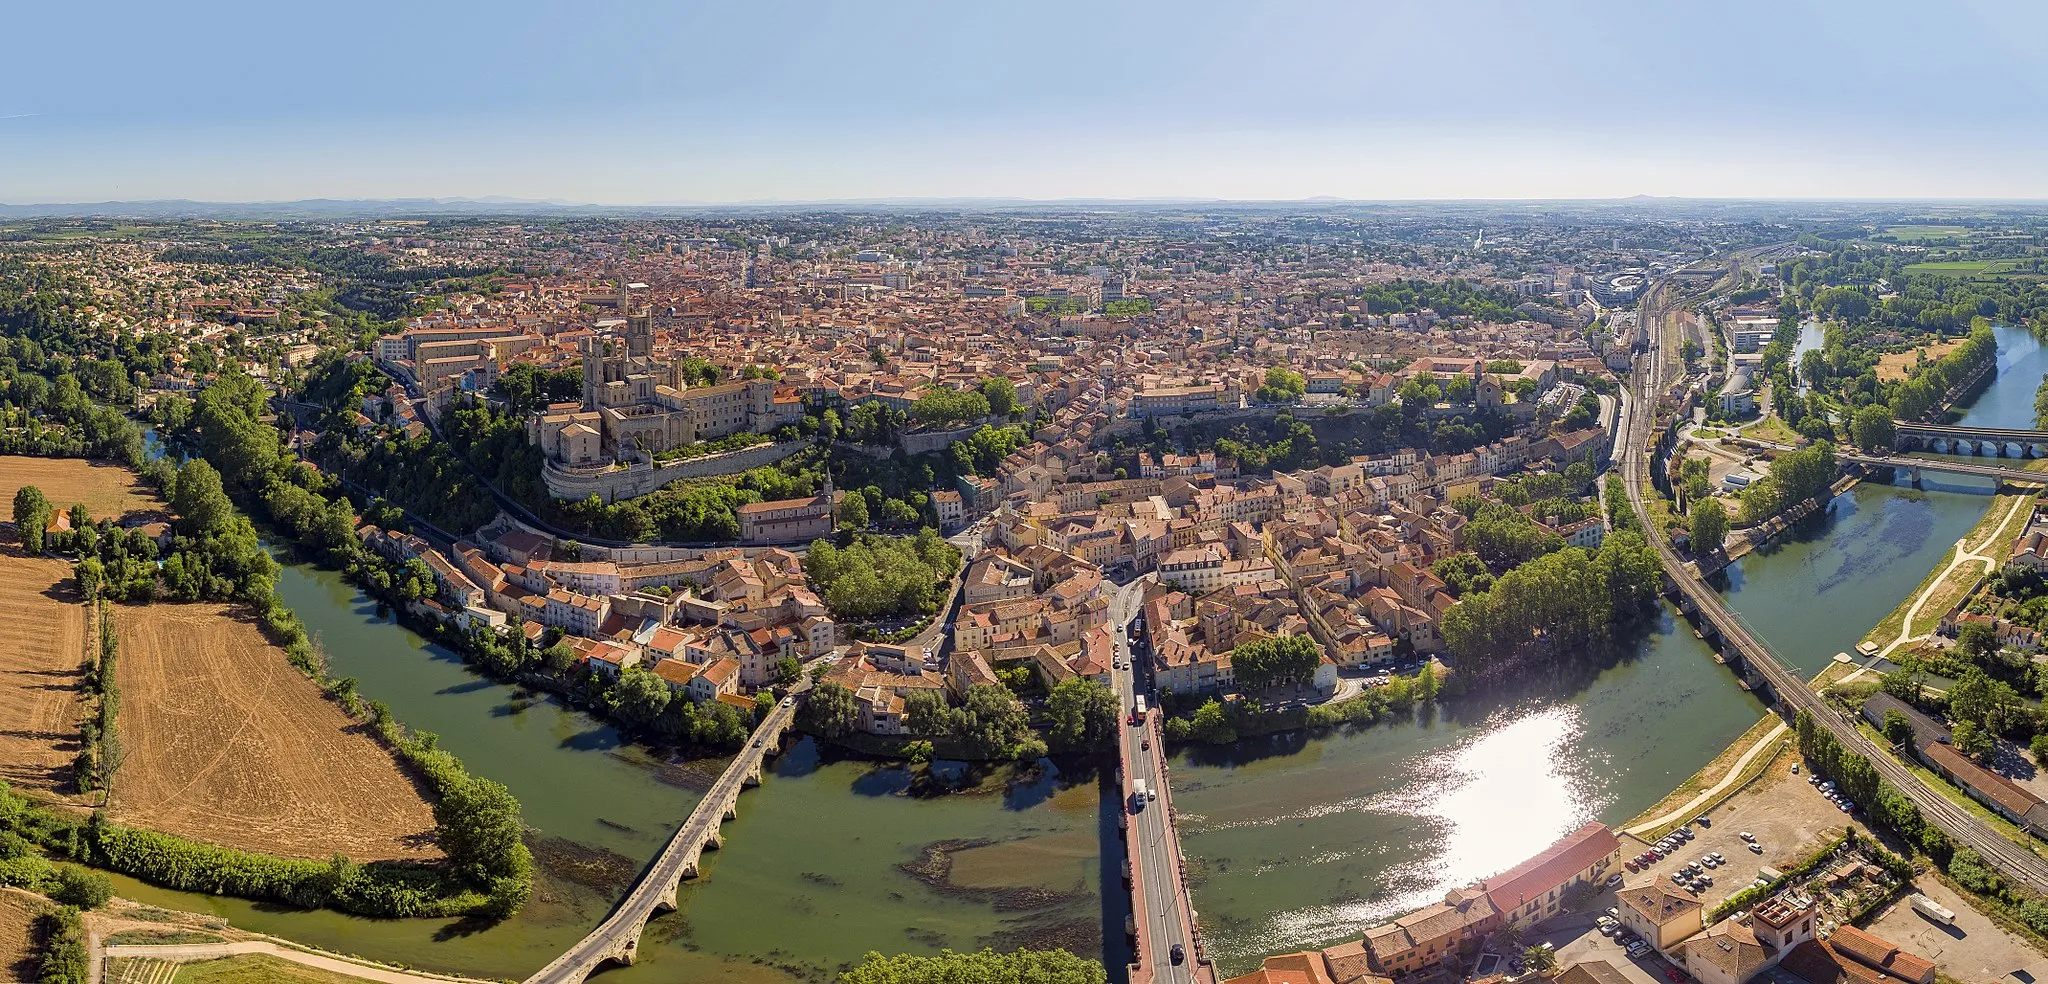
(1911, 233)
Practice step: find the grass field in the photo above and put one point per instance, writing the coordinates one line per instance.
(251, 969)
(2000, 269)
(42, 662)
(1914, 233)
(226, 742)
(106, 491)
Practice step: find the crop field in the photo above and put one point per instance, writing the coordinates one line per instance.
(225, 742)
(42, 663)
(106, 490)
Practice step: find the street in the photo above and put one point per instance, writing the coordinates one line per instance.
(1164, 919)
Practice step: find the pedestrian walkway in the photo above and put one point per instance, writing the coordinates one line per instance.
(1693, 806)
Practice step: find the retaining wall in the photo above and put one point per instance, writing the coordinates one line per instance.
(641, 478)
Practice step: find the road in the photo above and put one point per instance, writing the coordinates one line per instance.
(618, 937)
(2010, 859)
(2000, 472)
(1164, 914)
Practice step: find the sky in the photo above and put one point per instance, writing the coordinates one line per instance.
(601, 101)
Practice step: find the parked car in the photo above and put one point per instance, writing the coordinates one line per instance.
(1746, 835)
(1755, 848)
(1613, 880)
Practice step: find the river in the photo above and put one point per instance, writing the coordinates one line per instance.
(811, 876)
(1302, 844)
(1293, 843)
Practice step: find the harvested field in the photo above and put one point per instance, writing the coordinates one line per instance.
(107, 491)
(225, 742)
(1894, 365)
(42, 672)
(18, 951)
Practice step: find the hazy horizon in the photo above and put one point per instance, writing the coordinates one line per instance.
(616, 103)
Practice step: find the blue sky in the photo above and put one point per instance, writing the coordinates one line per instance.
(615, 102)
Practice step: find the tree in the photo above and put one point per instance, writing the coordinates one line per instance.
(1977, 639)
(994, 722)
(853, 511)
(477, 825)
(1540, 959)
(927, 714)
(986, 967)
(830, 711)
(1212, 725)
(1264, 663)
(1897, 729)
(1283, 385)
(1709, 526)
(1971, 739)
(1083, 715)
(1872, 427)
(639, 697)
(787, 671)
(2040, 749)
(75, 886)
(31, 517)
(1463, 573)
(1001, 395)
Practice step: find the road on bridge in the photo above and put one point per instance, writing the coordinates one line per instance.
(1162, 909)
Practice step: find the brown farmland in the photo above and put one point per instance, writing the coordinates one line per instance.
(107, 491)
(42, 671)
(225, 742)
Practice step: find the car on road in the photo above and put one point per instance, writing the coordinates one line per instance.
(1145, 743)
(1613, 880)
(1178, 953)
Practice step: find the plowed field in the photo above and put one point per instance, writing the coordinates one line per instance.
(225, 742)
(42, 663)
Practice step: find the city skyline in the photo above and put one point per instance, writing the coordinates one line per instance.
(619, 104)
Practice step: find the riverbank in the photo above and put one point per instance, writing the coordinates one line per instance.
(1976, 554)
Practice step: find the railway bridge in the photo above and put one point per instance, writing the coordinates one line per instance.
(618, 937)
(1991, 442)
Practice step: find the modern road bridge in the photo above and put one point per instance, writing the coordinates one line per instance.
(1993, 442)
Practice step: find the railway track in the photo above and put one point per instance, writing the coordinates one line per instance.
(2012, 860)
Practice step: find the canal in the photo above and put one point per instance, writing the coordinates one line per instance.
(1297, 844)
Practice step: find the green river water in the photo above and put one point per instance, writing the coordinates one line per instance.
(1293, 842)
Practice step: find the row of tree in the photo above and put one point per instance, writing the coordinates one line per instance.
(1565, 604)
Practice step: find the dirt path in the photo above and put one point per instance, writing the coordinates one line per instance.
(1964, 555)
(1692, 806)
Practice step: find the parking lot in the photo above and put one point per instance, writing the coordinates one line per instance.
(1786, 814)
(1974, 949)
(1577, 940)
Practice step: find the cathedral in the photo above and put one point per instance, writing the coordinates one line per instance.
(635, 402)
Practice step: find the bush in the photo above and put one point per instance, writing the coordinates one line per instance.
(64, 955)
(77, 887)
